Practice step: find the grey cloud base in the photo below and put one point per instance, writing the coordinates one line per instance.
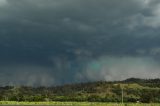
(50, 42)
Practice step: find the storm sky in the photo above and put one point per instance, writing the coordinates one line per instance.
(52, 42)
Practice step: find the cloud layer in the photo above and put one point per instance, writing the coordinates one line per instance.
(78, 40)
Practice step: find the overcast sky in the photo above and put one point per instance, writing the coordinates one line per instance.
(50, 42)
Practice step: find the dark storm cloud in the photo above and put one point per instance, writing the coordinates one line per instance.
(67, 41)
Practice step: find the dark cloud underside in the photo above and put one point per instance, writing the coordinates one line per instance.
(48, 42)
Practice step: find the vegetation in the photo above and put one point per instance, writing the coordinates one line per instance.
(135, 90)
(75, 103)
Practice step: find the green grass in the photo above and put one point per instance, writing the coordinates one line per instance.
(75, 103)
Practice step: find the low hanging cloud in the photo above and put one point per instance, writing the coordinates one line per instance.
(3, 2)
(28, 75)
(110, 68)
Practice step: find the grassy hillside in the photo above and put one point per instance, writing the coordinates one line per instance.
(133, 90)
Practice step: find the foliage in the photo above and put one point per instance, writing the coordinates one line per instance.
(146, 91)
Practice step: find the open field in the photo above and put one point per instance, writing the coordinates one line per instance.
(75, 103)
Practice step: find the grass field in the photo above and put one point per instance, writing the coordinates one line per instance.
(75, 103)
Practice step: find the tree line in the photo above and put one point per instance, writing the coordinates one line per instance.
(142, 90)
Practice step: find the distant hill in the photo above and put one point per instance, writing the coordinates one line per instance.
(138, 80)
(135, 89)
